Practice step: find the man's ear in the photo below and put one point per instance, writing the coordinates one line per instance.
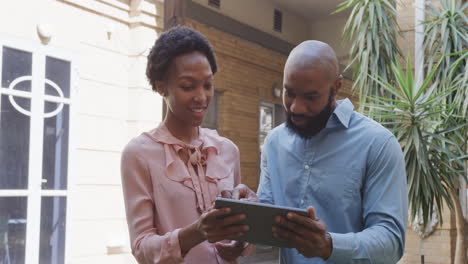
(161, 88)
(338, 83)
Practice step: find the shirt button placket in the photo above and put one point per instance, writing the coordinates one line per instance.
(305, 178)
(308, 159)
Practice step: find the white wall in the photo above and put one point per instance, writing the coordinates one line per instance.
(113, 103)
(259, 14)
(330, 30)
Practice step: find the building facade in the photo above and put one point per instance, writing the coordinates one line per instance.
(73, 92)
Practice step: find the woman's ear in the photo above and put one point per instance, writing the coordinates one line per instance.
(161, 88)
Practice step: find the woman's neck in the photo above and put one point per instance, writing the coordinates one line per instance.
(181, 131)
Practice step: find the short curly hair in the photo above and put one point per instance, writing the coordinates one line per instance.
(172, 43)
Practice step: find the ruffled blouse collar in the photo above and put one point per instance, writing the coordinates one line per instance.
(204, 152)
(206, 138)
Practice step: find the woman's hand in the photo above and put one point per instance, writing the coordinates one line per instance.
(242, 192)
(230, 250)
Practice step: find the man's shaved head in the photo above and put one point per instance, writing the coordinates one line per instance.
(311, 80)
(313, 54)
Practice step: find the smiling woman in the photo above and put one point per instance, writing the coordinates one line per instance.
(188, 90)
(172, 174)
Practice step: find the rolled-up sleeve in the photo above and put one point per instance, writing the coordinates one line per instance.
(147, 245)
(385, 209)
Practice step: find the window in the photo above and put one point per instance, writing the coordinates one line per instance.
(277, 20)
(270, 116)
(280, 114)
(35, 104)
(211, 116)
(214, 3)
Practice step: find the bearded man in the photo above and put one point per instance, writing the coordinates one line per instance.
(345, 168)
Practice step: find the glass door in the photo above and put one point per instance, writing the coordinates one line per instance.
(34, 147)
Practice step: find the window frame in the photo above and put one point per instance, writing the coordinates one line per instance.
(34, 192)
(271, 105)
(274, 121)
(215, 104)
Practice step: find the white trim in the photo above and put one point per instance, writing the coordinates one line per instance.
(72, 149)
(35, 160)
(419, 17)
(55, 99)
(48, 98)
(17, 43)
(14, 193)
(18, 93)
(49, 193)
(18, 107)
(59, 91)
(19, 80)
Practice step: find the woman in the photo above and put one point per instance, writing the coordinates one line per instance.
(172, 174)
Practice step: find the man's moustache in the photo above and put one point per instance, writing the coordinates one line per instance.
(298, 115)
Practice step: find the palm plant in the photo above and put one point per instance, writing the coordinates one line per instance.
(447, 33)
(429, 121)
(460, 100)
(432, 139)
(447, 39)
(416, 118)
(373, 29)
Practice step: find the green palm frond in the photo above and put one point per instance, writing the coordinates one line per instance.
(429, 121)
(373, 29)
(447, 37)
(430, 135)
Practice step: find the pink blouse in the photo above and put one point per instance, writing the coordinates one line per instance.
(163, 194)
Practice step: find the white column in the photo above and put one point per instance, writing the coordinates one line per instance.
(419, 17)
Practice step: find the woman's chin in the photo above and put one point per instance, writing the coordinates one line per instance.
(196, 122)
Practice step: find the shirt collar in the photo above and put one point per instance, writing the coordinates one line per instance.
(343, 111)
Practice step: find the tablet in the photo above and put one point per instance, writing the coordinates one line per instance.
(260, 218)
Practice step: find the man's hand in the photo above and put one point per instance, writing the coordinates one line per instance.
(242, 192)
(230, 251)
(215, 225)
(307, 234)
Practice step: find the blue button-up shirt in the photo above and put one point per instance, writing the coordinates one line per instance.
(353, 173)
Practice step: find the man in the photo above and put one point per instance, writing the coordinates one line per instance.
(345, 168)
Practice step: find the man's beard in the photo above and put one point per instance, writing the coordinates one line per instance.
(314, 124)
